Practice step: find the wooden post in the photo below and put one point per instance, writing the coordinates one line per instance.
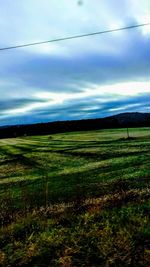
(128, 133)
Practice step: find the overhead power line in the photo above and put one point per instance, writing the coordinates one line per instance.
(75, 36)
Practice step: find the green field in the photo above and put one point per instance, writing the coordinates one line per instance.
(76, 199)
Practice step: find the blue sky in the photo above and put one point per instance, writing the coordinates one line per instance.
(76, 79)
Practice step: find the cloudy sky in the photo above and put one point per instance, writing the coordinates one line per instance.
(82, 78)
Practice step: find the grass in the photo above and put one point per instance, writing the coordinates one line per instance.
(75, 199)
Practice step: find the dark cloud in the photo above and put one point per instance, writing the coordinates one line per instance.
(82, 109)
(17, 103)
(72, 74)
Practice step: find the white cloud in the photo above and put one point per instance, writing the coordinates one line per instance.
(38, 20)
(102, 93)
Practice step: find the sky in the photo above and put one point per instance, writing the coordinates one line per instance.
(90, 77)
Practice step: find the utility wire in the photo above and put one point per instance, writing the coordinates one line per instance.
(75, 36)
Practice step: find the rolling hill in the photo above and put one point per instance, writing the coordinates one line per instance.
(122, 120)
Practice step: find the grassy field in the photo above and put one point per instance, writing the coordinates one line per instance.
(76, 199)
